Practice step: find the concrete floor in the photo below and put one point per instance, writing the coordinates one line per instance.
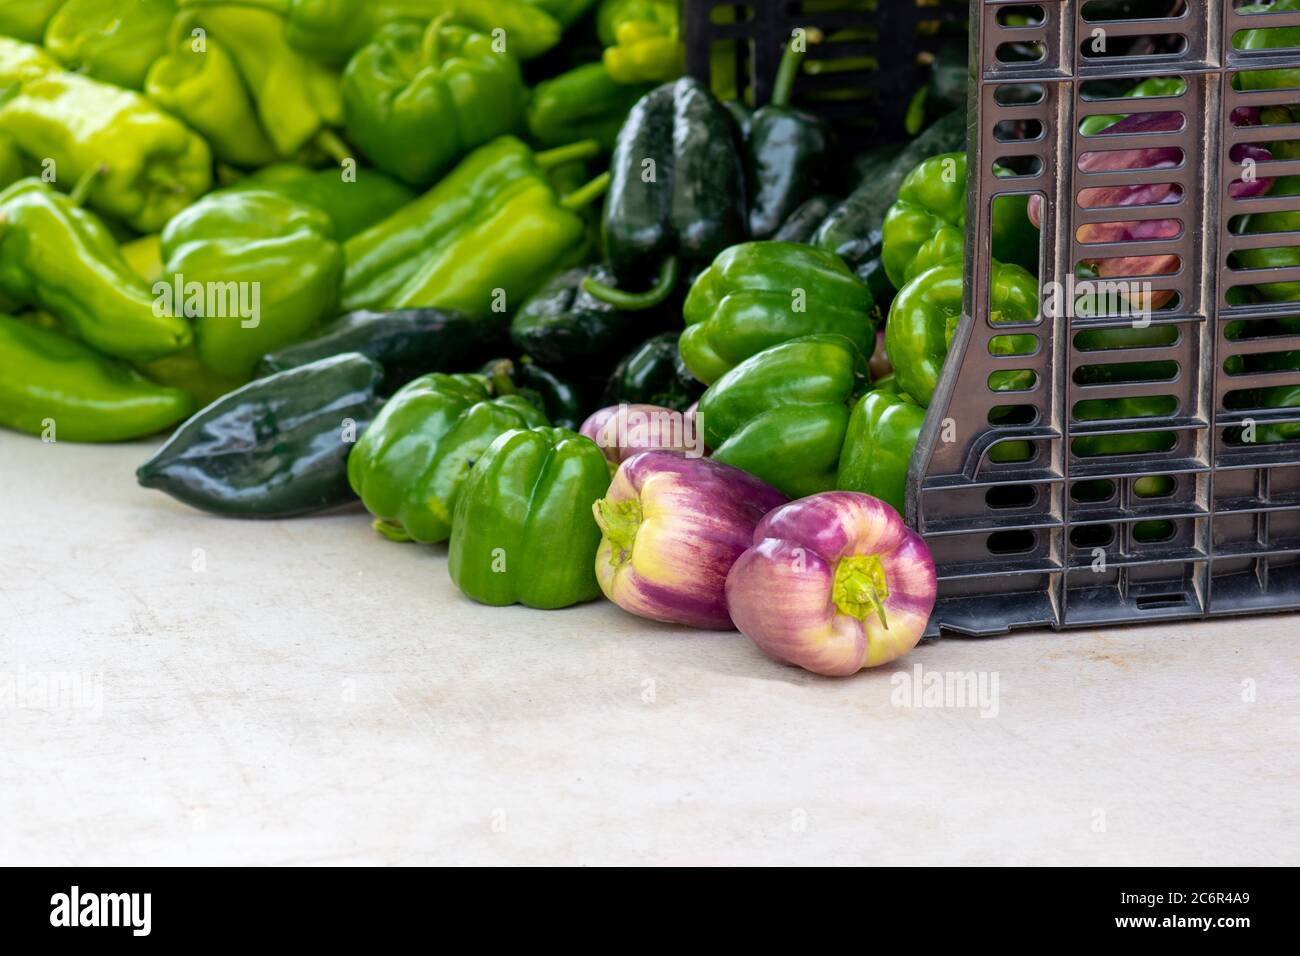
(177, 688)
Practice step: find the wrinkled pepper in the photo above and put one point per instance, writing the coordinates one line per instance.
(925, 315)
(481, 241)
(523, 532)
(882, 434)
(203, 88)
(56, 256)
(782, 415)
(562, 401)
(653, 374)
(150, 164)
(786, 150)
(298, 99)
(758, 294)
(275, 448)
(417, 98)
(563, 324)
(353, 201)
(27, 19)
(55, 386)
(677, 191)
(927, 224)
(110, 40)
(266, 270)
(584, 103)
(410, 465)
(408, 343)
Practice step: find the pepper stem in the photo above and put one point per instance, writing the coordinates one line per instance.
(587, 194)
(429, 44)
(861, 587)
(637, 301)
(618, 522)
(791, 60)
(85, 184)
(499, 380)
(334, 147)
(549, 159)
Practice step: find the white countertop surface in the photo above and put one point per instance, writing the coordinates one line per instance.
(178, 688)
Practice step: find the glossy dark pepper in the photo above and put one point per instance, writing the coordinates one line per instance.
(277, 447)
(653, 374)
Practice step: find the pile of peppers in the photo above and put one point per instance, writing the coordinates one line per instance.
(502, 276)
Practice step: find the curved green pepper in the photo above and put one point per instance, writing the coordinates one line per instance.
(481, 241)
(26, 19)
(409, 466)
(760, 293)
(353, 202)
(642, 39)
(782, 414)
(266, 270)
(203, 88)
(149, 164)
(53, 385)
(524, 532)
(882, 434)
(276, 448)
(925, 315)
(927, 225)
(584, 103)
(58, 257)
(297, 98)
(110, 40)
(418, 97)
(653, 374)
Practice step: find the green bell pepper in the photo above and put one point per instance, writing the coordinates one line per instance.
(12, 165)
(57, 387)
(1268, 38)
(927, 225)
(410, 465)
(653, 374)
(882, 434)
(353, 201)
(482, 240)
(642, 39)
(1151, 86)
(417, 98)
(203, 88)
(56, 256)
(925, 316)
(297, 98)
(758, 294)
(276, 448)
(524, 531)
(110, 40)
(27, 19)
(266, 270)
(782, 415)
(150, 164)
(584, 103)
(20, 62)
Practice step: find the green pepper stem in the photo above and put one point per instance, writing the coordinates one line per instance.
(861, 587)
(551, 158)
(791, 60)
(334, 147)
(85, 184)
(430, 43)
(618, 522)
(499, 380)
(637, 301)
(585, 195)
